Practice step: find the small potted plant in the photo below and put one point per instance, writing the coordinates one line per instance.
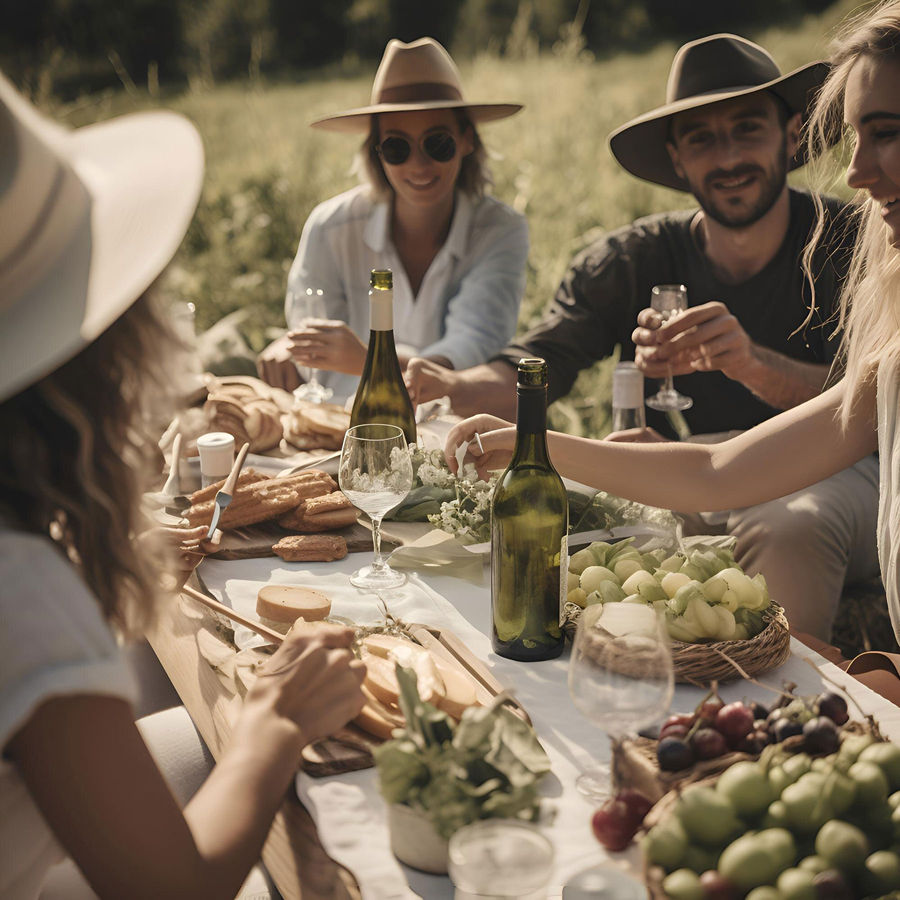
(438, 775)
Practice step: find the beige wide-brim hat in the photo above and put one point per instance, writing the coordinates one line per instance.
(707, 71)
(415, 76)
(88, 219)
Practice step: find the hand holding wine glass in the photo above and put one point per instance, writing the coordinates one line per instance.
(375, 474)
(303, 307)
(669, 300)
(621, 681)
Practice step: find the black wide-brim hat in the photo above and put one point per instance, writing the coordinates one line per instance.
(709, 70)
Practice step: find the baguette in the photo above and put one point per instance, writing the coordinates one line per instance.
(311, 548)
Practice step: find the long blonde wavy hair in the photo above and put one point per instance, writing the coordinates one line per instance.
(75, 453)
(869, 312)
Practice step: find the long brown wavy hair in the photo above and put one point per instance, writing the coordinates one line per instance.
(75, 453)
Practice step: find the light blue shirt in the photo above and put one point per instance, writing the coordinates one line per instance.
(467, 307)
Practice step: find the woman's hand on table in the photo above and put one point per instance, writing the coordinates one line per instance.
(327, 344)
(497, 437)
(312, 681)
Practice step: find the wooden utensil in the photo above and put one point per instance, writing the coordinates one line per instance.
(446, 643)
(225, 493)
(272, 636)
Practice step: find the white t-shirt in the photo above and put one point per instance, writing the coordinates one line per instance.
(467, 306)
(53, 641)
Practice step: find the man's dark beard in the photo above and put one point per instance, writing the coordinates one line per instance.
(772, 181)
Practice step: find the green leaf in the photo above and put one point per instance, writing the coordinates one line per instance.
(400, 770)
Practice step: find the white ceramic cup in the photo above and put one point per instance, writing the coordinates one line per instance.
(216, 450)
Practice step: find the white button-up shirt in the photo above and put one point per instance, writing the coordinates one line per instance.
(467, 307)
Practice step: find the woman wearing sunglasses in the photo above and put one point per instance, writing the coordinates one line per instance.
(458, 255)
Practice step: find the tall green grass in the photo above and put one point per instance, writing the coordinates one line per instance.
(266, 169)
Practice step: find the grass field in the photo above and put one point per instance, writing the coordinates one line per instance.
(266, 170)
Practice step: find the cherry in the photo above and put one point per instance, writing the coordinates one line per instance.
(613, 824)
(735, 721)
(834, 706)
(638, 804)
(708, 743)
(674, 754)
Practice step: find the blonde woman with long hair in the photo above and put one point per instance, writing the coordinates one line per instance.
(845, 423)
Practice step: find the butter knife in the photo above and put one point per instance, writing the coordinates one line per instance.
(223, 497)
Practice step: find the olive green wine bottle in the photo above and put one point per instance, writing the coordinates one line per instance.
(529, 517)
(382, 397)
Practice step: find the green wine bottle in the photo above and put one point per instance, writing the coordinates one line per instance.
(382, 397)
(529, 517)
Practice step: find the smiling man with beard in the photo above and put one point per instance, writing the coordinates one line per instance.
(728, 133)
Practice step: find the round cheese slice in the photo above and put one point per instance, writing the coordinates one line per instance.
(280, 605)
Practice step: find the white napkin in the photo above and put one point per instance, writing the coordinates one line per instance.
(440, 553)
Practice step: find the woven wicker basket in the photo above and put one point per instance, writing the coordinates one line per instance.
(701, 664)
(702, 774)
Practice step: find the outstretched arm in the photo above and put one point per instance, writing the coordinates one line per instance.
(785, 453)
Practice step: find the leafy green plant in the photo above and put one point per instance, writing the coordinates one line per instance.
(487, 765)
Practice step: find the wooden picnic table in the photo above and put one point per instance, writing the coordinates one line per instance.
(293, 853)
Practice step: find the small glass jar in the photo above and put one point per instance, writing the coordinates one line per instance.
(500, 859)
(603, 882)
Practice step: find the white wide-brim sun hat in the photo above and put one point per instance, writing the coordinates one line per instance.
(89, 217)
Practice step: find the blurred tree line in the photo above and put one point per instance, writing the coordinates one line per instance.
(67, 47)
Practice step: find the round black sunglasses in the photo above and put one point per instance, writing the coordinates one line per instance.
(439, 145)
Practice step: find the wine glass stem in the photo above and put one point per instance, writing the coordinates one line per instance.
(378, 562)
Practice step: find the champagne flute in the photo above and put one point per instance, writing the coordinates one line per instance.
(304, 306)
(621, 681)
(669, 300)
(375, 474)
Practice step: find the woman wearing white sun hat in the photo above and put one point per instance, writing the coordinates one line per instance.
(88, 220)
(458, 256)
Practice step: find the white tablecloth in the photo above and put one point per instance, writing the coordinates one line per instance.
(349, 812)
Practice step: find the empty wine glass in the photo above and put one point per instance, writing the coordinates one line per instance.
(304, 306)
(620, 676)
(669, 300)
(375, 474)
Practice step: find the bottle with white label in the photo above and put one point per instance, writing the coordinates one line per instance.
(628, 397)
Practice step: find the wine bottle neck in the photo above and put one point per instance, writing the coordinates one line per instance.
(381, 310)
(531, 424)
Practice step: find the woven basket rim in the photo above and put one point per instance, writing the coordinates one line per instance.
(701, 663)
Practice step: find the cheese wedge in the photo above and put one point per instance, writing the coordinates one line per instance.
(384, 654)
(459, 692)
(376, 718)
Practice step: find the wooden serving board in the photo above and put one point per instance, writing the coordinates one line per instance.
(351, 748)
(256, 541)
(347, 751)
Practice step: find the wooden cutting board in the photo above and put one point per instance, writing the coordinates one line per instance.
(351, 748)
(256, 541)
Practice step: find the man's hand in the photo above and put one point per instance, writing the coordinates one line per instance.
(704, 338)
(428, 380)
(327, 344)
(275, 365)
